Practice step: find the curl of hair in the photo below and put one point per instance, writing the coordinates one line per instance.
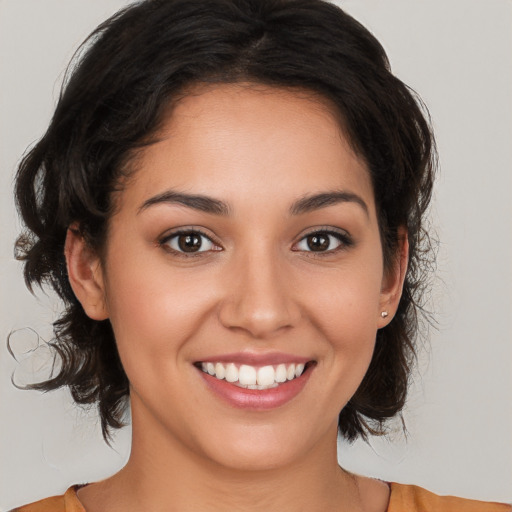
(122, 82)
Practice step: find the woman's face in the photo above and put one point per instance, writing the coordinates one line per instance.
(247, 245)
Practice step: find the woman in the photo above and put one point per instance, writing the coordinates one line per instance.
(230, 201)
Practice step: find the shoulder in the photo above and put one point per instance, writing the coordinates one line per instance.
(410, 498)
(67, 502)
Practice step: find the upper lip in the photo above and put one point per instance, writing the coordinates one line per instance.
(255, 359)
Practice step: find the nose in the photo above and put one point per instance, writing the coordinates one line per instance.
(260, 297)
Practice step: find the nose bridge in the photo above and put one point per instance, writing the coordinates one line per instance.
(259, 297)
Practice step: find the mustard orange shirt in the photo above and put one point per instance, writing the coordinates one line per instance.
(403, 498)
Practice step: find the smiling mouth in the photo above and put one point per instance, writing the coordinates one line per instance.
(253, 377)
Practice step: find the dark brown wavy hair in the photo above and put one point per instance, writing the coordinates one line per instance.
(116, 93)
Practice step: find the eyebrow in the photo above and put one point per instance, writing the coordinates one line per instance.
(324, 199)
(213, 206)
(197, 202)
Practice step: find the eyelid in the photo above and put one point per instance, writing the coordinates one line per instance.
(342, 235)
(163, 240)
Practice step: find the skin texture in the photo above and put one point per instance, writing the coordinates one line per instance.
(256, 288)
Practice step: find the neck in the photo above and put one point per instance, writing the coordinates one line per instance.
(163, 474)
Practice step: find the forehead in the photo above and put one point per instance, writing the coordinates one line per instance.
(247, 141)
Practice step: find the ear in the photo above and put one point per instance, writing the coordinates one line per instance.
(85, 274)
(393, 280)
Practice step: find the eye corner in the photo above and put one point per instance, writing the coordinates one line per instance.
(324, 237)
(170, 243)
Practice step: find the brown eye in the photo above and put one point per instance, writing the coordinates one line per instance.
(324, 241)
(318, 242)
(189, 242)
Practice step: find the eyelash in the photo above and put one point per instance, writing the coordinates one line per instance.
(164, 242)
(342, 237)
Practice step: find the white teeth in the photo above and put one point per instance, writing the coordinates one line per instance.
(257, 386)
(281, 373)
(266, 376)
(250, 377)
(247, 375)
(231, 373)
(220, 371)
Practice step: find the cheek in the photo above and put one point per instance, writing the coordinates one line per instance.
(347, 314)
(153, 311)
(351, 328)
(346, 303)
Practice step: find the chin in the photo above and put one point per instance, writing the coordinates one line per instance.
(262, 448)
(242, 457)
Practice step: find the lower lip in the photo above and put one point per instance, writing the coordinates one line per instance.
(264, 399)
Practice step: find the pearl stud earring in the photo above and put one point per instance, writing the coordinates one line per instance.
(384, 314)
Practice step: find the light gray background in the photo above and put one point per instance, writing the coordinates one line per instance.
(457, 54)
